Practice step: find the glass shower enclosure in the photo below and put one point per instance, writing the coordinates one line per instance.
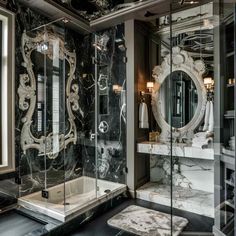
(58, 170)
(193, 102)
(203, 178)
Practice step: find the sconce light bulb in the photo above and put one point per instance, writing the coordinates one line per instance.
(208, 80)
(116, 88)
(44, 47)
(150, 86)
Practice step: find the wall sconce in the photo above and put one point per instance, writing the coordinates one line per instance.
(116, 88)
(209, 83)
(150, 86)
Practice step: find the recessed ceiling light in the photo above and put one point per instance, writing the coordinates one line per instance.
(65, 20)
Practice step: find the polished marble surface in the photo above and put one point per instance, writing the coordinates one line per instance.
(94, 222)
(195, 201)
(189, 173)
(79, 159)
(76, 197)
(14, 224)
(99, 226)
(145, 222)
(180, 150)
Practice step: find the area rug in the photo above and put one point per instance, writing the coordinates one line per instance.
(145, 222)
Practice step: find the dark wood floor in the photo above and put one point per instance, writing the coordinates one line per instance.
(14, 224)
(99, 227)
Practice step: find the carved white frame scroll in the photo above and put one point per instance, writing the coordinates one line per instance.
(27, 95)
(181, 61)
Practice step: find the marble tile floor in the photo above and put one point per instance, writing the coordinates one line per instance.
(99, 226)
(146, 222)
(195, 201)
(96, 226)
(6, 201)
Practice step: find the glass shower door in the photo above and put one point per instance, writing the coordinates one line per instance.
(42, 171)
(192, 45)
(54, 112)
(110, 124)
(57, 175)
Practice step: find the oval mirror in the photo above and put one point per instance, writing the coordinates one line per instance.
(183, 114)
(184, 99)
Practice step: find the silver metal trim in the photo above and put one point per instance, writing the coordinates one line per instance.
(10, 167)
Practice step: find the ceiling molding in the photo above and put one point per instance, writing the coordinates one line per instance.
(55, 11)
(137, 11)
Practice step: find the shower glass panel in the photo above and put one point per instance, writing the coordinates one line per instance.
(42, 159)
(52, 172)
(160, 185)
(202, 115)
(61, 156)
(111, 109)
(225, 119)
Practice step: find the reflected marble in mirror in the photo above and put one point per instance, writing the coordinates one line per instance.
(184, 99)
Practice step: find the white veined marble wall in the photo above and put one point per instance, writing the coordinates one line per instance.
(187, 172)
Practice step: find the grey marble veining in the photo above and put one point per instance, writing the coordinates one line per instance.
(145, 222)
(111, 149)
(186, 172)
(196, 201)
(37, 172)
(178, 150)
(12, 223)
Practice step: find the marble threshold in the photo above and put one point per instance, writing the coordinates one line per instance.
(191, 200)
(180, 150)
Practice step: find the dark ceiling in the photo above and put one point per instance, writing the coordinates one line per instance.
(93, 9)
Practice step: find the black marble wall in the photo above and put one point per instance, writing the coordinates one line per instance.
(111, 70)
(36, 172)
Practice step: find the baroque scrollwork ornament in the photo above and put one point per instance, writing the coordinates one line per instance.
(27, 95)
(180, 61)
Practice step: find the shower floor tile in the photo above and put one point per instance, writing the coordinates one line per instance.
(195, 201)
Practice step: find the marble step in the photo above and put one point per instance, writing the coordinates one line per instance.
(195, 201)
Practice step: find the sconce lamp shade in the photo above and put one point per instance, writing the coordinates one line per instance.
(208, 81)
(150, 85)
(116, 88)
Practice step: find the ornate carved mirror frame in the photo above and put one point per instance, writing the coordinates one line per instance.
(27, 95)
(181, 61)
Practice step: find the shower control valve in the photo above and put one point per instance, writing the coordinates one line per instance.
(103, 127)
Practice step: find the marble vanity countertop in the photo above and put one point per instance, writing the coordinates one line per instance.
(180, 150)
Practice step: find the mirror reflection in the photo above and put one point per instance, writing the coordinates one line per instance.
(184, 99)
(50, 84)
